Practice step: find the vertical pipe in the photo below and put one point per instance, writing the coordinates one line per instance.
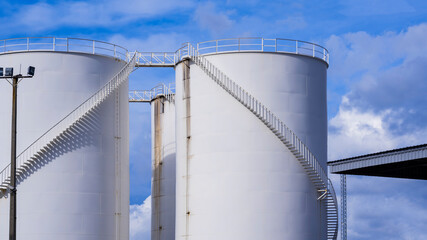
(117, 190)
(12, 224)
(187, 99)
(343, 179)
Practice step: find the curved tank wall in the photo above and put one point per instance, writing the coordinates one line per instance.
(163, 169)
(235, 179)
(82, 190)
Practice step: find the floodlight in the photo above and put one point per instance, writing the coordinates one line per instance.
(31, 70)
(9, 72)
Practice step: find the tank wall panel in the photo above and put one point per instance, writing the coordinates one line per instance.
(77, 192)
(163, 169)
(235, 179)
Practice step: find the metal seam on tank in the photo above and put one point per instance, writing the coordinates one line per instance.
(157, 164)
(187, 96)
(118, 164)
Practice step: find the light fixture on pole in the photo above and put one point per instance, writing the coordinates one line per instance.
(8, 74)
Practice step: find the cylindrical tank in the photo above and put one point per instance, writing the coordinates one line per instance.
(235, 178)
(163, 169)
(81, 188)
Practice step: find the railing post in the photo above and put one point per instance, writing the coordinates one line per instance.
(28, 44)
(93, 47)
(262, 44)
(216, 49)
(68, 48)
(238, 44)
(324, 54)
(275, 43)
(296, 46)
(115, 51)
(54, 44)
(313, 50)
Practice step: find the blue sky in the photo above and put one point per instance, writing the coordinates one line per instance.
(376, 80)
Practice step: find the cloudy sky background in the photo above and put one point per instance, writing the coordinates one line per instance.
(376, 80)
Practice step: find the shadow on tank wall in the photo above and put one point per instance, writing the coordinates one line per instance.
(80, 135)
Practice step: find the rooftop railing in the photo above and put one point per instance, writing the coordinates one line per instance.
(63, 45)
(164, 59)
(263, 45)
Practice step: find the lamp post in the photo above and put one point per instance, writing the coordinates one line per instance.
(15, 80)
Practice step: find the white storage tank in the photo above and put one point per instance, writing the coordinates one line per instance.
(163, 168)
(235, 178)
(79, 189)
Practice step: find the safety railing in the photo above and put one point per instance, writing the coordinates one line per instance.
(45, 141)
(263, 45)
(63, 45)
(153, 59)
(148, 95)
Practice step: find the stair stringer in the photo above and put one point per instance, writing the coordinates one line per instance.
(302, 153)
(33, 153)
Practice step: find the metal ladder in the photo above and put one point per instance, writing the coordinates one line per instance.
(309, 162)
(64, 128)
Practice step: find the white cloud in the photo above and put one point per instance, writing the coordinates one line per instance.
(376, 7)
(383, 108)
(210, 18)
(42, 16)
(386, 208)
(140, 220)
(355, 132)
(292, 23)
(360, 52)
(162, 42)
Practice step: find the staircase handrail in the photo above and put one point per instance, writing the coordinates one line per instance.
(302, 153)
(279, 128)
(71, 117)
